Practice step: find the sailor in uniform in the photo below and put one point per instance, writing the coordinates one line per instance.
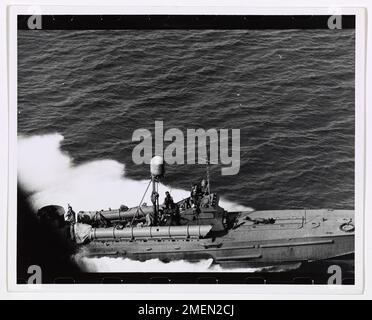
(151, 218)
(195, 194)
(168, 201)
(204, 187)
(70, 215)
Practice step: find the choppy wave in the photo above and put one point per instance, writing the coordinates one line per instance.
(290, 92)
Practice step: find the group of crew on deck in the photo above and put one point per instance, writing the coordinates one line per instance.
(198, 191)
(171, 210)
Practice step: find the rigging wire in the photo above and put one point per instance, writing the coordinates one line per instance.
(139, 206)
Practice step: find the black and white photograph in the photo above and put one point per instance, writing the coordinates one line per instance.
(186, 149)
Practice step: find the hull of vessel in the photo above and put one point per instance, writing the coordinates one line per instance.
(295, 236)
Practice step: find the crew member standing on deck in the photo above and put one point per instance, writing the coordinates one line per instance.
(151, 218)
(168, 201)
(194, 194)
(204, 187)
(70, 215)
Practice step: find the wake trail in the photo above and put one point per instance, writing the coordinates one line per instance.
(49, 176)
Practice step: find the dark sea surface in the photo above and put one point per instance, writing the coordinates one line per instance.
(290, 92)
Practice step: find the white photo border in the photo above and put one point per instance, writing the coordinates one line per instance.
(141, 291)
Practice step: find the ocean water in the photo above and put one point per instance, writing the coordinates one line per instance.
(81, 94)
(290, 92)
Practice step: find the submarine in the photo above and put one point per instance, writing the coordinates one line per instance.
(197, 228)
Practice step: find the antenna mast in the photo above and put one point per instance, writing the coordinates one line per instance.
(208, 178)
(157, 172)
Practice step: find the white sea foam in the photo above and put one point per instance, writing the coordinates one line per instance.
(107, 264)
(49, 176)
(46, 172)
